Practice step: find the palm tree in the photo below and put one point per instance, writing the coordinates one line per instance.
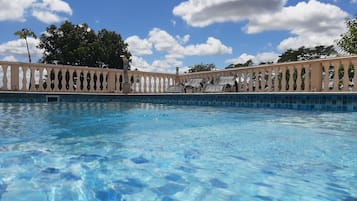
(23, 34)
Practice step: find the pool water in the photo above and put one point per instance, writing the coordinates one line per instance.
(129, 151)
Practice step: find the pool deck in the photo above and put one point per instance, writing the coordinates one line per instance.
(332, 101)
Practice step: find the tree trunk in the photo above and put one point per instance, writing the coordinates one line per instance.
(28, 51)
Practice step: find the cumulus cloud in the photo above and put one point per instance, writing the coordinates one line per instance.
(46, 16)
(47, 11)
(14, 9)
(173, 48)
(260, 57)
(57, 6)
(9, 58)
(310, 23)
(200, 13)
(139, 46)
(17, 48)
(212, 46)
(51, 11)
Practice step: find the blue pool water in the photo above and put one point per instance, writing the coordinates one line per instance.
(127, 151)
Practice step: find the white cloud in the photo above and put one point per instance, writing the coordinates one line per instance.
(46, 17)
(58, 6)
(139, 46)
(163, 41)
(14, 9)
(241, 59)
(201, 13)
(17, 48)
(213, 46)
(312, 16)
(174, 49)
(9, 58)
(260, 57)
(353, 1)
(50, 11)
(139, 63)
(166, 65)
(310, 23)
(47, 11)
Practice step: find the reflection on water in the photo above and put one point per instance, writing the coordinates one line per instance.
(124, 151)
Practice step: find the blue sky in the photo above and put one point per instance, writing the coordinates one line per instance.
(163, 35)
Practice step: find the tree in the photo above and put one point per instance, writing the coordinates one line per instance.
(24, 34)
(239, 65)
(303, 53)
(201, 67)
(348, 42)
(79, 45)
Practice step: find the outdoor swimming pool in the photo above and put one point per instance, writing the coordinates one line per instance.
(129, 151)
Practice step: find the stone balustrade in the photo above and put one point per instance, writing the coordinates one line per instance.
(324, 75)
(15, 76)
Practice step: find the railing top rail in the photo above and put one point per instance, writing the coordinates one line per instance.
(24, 64)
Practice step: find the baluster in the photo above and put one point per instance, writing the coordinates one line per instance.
(346, 79)
(268, 72)
(24, 79)
(283, 78)
(105, 81)
(326, 76)
(32, 79)
(85, 81)
(145, 84)
(354, 65)
(299, 78)
(91, 81)
(275, 81)
(70, 81)
(4, 78)
(335, 79)
(40, 79)
(14, 86)
(251, 80)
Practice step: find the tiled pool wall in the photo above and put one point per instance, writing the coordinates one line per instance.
(300, 101)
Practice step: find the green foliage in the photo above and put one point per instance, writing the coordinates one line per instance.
(24, 34)
(239, 65)
(79, 45)
(303, 53)
(348, 41)
(265, 63)
(201, 67)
